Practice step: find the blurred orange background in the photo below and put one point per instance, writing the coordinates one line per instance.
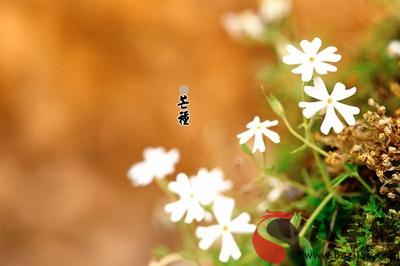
(85, 86)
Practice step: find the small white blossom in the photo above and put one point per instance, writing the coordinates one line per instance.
(244, 24)
(278, 187)
(223, 209)
(189, 201)
(258, 129)
(158, 163)
(310, 59)
(210, 185)
(196, 192)
(394, 48)
(329, 103)
(274, 10)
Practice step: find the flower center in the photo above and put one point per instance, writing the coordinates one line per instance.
(312, 59)
(258, 127)
(225, 229)
(191, 195)
(330, 100)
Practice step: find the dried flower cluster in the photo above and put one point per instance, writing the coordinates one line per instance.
(373, 142)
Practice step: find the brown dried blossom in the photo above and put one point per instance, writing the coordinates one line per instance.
(373, 142)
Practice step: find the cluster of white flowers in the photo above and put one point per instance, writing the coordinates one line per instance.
(196, 193)
(204, 191)
(249, 23)
(310, 59)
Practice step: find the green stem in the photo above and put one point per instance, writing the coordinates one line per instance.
(365, 185)
(315, 214)
(308, 143)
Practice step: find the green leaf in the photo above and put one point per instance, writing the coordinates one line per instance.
(245, 149)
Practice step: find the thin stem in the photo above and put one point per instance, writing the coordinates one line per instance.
(365, 185)
(297, 135)
(326, 179)
(315, 214)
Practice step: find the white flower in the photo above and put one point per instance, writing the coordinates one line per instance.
(310, 59)
(210, 184)
(278, 187)
(196, 192)
(222, 210)
(157, 163)
(329, 103)
(189, 201)
(244, 24)
(394, 48)
(274, 10)
(258, 129)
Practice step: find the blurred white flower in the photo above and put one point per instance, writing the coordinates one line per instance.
(329, 103)
(244, 24)
(196, 192)
(274, 10)
(310, 59)
(278, 187)
(210, 184)
(258, 129)
(158, 163)
(223, 209)
(394, 48)
(189, 201)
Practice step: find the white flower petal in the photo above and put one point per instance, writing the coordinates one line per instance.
(241, 224)
(181, 186)
(328, 55)
(140, 174)
(255, 122)
(245, 136)
(311, 48)
(208, 235)
(207, 186)
(258, 142)
(319, 90)
(223, 209)
(274, 10)
(339, 92)
(273, 136)
(274, 194)
(194, 211)
(331, 121)
(347, 112)
(311, 108)
(269, 123)
(177, 209)
(229, 248)
(294, 57)
(322, 68)
(307, 73)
